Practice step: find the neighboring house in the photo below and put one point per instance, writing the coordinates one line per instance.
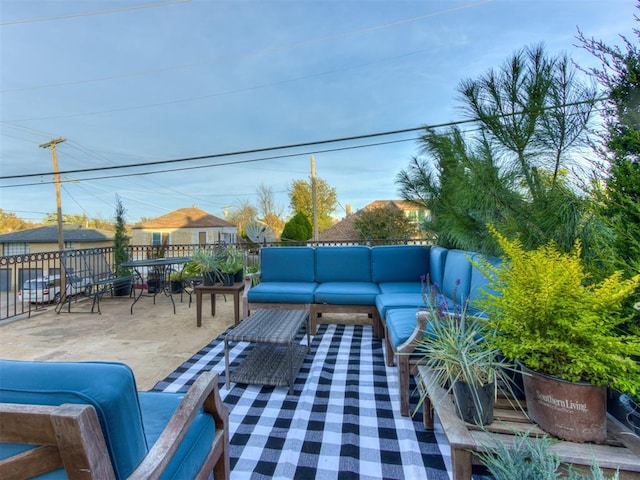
(185, 226)
(45, 239)
(37, 244)
(345, 229)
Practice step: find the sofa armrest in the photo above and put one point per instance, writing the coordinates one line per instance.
(203, 393)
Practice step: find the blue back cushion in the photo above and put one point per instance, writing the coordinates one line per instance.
(399, 263)
(479, 281)
(343, 264)
(456, 278)
(287, 264)
(109, 387)
(437, 258)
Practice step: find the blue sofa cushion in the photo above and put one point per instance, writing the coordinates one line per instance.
(479, 283)
(347, 293)
(343, 264)
(456, 279)
(437, 259)
(109, 387)
(401, 287)
(401, 322)
(399, 263)
(388, 301)
(157, 409)
(287, 264)
(282, 292)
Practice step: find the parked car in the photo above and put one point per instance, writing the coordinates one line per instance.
(48, 289)
(40, 290)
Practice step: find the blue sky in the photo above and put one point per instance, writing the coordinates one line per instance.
(132, 81)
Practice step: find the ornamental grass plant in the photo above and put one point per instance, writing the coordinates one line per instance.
(543, 313)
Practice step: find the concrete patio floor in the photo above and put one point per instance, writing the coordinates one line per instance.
(153, 341)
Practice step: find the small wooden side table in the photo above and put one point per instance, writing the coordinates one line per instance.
(236, 289)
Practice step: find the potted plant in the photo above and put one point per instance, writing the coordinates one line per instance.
(462, 362)
(564, 332)
(121, 250)
(207, 264)
(232, 264)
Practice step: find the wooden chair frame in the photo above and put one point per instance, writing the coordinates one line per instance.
(70, 436)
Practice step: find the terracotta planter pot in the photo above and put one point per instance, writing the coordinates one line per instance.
(574, 411)
(466, 405)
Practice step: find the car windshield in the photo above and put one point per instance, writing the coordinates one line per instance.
(35, 285)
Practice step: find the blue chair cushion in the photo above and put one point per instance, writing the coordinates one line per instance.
(399, 263)
(287, 264)
(401, 323)
(347, 293)
(386, 301)
(282, 292)
(109, 387)
(343, 264)
(157, 409)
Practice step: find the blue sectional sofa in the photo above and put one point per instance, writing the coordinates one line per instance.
(386, 282)
(92, 423)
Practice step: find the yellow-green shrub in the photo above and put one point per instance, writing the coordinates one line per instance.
(546, 317)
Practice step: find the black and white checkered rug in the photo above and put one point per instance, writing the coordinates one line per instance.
(343, 420)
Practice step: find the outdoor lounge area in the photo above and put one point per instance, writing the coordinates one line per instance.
(343, 417)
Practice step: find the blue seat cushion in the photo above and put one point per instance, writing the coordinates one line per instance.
(386, 301)
(157, 409)
(343, 264)
(282, 292)
(399, 263)
(401, 323)
(456, 279)
(400, 287)
(109, 387)
(347, 293)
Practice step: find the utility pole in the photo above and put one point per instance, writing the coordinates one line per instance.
(314, 199)
(56, 179)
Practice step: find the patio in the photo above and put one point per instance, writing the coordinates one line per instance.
(344, 422)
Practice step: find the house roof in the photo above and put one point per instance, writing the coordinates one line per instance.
(49, 234)
(191, 217)
(345, 229)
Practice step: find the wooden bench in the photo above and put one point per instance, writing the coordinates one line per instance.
(621, 450)
(90, 266)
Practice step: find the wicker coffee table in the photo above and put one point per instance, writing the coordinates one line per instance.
(275, 359)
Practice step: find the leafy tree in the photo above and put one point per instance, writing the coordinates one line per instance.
(299, 228)
(300, 198)
(514, 171)
(241, 214)
(10, 222)
(383, 223)
(619, 76)
(78, 219)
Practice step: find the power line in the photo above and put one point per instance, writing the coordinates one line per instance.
(271, 149)
(86, 14)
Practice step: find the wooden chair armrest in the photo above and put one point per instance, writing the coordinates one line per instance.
(204, 392)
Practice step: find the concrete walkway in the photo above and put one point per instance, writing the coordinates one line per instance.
(153, 341)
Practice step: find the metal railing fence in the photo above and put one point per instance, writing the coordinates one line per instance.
(15, 270)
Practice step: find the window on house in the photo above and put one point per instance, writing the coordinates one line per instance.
(159, 238)
(16, 248)
(202, 238)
